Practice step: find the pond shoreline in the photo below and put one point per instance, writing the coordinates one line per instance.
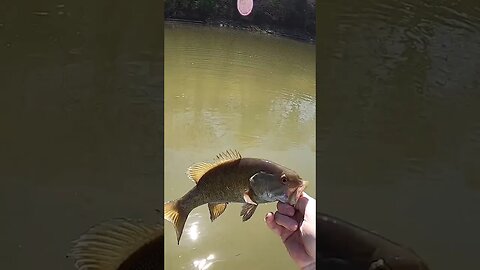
(294, 19)
(268, 30)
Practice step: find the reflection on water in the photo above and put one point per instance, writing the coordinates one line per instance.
(399, 140)
(234, 90)
(204, 264)
(193, 231)
(192, 227)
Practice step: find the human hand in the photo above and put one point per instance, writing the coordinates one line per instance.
(296, 228)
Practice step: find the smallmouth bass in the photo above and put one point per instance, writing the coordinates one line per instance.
(230, 178)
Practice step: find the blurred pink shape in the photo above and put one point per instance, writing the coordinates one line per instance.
(245, 7)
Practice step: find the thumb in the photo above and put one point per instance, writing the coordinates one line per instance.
(303, 202)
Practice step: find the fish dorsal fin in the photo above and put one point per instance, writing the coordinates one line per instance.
(107, 245)
(228, 155)
(197, 170)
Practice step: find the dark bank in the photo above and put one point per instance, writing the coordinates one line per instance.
(290, 18)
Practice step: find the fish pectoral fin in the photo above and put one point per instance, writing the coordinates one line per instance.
(247, 211)
(216, 209)
(108, 244)
(248, 197)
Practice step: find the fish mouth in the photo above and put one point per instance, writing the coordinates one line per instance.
(295, 193)
(283, 198)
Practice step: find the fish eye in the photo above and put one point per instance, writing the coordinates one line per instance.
(284, 178)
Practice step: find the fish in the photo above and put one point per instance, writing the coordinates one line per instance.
(230, 178)
(347, 246)
(119, 244)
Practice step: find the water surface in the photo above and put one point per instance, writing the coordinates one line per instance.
(80, 123)
(399, 122)
(232, 89)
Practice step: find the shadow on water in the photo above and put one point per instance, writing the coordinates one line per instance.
(81, 101)
(399, 132)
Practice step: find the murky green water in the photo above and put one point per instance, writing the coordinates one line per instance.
(229, 89)
(80, 123)
(399, 122)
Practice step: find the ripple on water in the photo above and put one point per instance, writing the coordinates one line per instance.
(401, 109)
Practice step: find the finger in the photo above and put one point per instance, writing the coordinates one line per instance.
(302, 202)
(270, 220)
(285, 209)
(308, 207)
(286, 222)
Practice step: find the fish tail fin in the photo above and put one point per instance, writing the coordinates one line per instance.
(112, 243)
(177, 215)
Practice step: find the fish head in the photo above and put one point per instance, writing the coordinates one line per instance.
(294, 185)
(284, 186)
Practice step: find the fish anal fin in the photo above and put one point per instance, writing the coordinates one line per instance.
(197, 170)
(109, 244)
(247, 211)
(177, 216)
(216, 209)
